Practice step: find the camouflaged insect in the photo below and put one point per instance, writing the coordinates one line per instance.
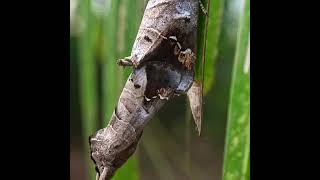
(163, 58)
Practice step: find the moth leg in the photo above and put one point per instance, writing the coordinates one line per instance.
(126, 62)
(103, 174)
(202, 8)
(177, 47)
(187, 58)
(164, 93)
(147, 99)
(174, 38)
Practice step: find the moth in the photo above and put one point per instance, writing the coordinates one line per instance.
(162, 58)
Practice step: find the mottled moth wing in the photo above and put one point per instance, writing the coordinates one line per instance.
(163, 21)
(138, 103)
(163, 57)
(195, 100)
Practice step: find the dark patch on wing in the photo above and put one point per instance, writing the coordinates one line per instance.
(136, 86)
(147, 39)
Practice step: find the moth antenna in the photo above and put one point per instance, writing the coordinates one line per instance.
(202, 8)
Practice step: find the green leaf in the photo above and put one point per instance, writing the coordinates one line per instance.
(208, 38)
(110, 85)
(88, 101)
(129, 171)
(237, 149)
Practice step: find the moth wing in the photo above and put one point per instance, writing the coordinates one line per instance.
(160, 19)
(195, 100)
(152, 31)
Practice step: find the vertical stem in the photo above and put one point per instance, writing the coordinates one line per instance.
(237, 146)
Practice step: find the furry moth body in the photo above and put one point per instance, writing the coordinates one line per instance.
(163, 58)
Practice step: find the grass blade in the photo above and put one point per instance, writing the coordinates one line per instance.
(213, 34)
(208, 38)
(110, 87)
(237, 149)
(87, 76)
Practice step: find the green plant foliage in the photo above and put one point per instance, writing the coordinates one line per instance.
(169, 139)
(237, 147)
(88, 79)
(208, 38)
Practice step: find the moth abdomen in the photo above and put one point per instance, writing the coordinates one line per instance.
(113, 145)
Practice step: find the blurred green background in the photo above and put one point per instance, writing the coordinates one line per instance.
(101, 31)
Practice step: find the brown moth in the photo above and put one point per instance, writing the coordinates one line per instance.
(163, 58)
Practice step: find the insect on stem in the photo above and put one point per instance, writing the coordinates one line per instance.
(163, 60)
(125, 61)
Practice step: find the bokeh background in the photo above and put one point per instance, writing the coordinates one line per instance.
(101, 31)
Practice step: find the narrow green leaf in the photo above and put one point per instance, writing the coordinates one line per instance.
(237, 149)
(213, 34)
(87, 80)
(110, 85)
(208, 37)
(201, 41)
